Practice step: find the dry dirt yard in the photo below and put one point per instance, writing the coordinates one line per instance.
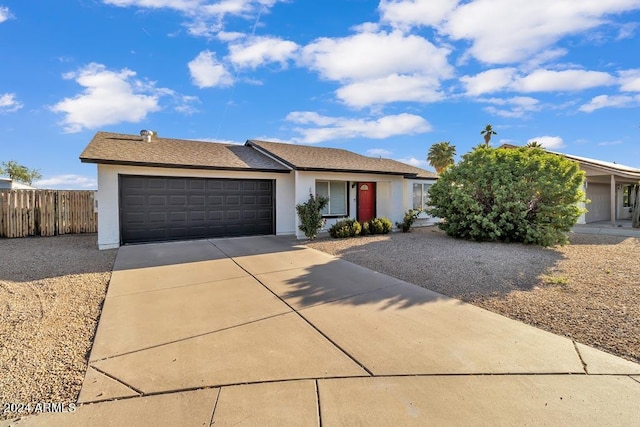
(51, 294)
(588, 290)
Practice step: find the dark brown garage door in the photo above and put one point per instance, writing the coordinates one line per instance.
(168, 208)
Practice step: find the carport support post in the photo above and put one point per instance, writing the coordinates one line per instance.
(613, 200)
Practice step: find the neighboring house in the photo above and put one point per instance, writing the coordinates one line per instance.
(10, 184)
(607, 186)
(170, 189)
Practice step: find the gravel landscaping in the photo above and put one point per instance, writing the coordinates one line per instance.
(51, 294)
(588, 290)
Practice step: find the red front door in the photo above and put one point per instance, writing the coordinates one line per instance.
(366, 201)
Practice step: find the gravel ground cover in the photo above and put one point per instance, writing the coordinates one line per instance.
(588, 290)
(51, 293)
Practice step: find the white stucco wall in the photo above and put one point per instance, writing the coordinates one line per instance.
(424, 219)
(108, 200)
(390, 193)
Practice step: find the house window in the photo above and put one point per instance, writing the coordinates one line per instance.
(420, 196)
(336, 192)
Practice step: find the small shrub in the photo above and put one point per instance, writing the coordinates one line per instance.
(409, 218)
(345, 228)
(380, 225)
(365, 229)
(310, 217)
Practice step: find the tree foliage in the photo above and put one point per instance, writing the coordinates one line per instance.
(488, 132)
(441, 155)
(19, 173)
(521, 195)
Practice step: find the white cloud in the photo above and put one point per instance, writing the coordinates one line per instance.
(109, 97)
(507, 31)
(627, 30)
(607, 143)
(229, 36)
(332, 128)
(205, 18)
(374, 55)
(551, 142)
(185, 104)
(515, 107)
(540, 80)
(378, 152)
(489, 81)
(605, 101)
(407, 13)
(549, 80)
(256, 51)
(630, 80)
(414, 162)
(206, 71)
(68, 182)
(5, 14)
(393, 88)
(9, 104)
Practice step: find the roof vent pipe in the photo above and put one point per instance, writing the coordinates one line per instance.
(146, 135)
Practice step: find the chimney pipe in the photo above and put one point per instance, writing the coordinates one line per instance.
(146, 135)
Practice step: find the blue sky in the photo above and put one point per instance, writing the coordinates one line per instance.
(384, 78)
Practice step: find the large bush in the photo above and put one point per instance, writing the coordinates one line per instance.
(520, 194)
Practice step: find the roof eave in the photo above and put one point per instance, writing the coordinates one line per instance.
(181, 166)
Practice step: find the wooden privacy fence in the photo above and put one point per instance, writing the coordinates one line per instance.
(47, 212)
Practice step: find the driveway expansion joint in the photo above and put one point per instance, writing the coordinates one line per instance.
(106, 374)
(318, 403)
(115, 356)
(584, 364)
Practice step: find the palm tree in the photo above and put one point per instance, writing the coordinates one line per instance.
(487, 132)
(534, 144)
(441, 155)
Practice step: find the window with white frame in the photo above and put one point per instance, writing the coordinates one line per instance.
(420, 195)
(336, 192)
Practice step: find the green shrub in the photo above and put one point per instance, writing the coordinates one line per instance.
(345, 228)
(409, 218)
(310, 217)
(365, 229)
(522, 195)
(380, 225)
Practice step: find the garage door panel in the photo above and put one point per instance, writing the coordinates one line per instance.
(155, 183)
(197, 200)
(232, 186)
(177, 183)
(170, 208)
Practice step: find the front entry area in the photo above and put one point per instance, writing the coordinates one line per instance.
(160, 208)
(366, 201)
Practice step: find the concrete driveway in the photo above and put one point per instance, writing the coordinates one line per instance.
(265, 331)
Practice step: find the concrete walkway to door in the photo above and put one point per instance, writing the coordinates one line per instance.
(265, 331)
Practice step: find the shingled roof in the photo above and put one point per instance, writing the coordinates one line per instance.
(311, 158)
(121, 149)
